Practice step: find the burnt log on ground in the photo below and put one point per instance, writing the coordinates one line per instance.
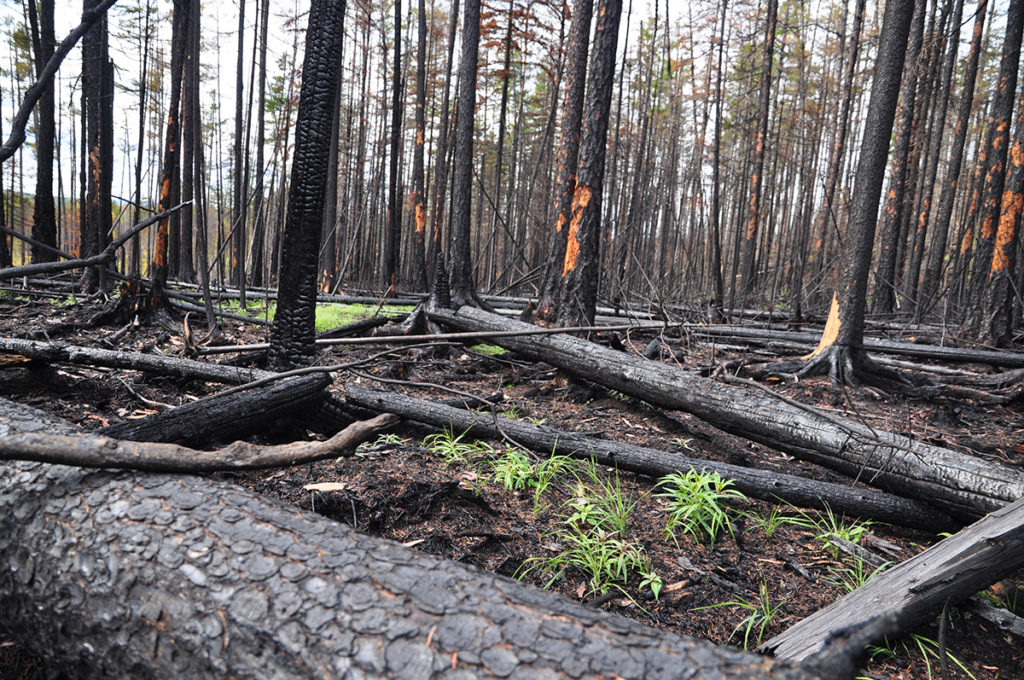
(961, 485)
(222, 417)
(328, 417)
(905, 595)
(763, 484)
(148, 575)
(756, 336)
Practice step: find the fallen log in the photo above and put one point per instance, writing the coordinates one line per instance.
(763, 484)
(145, 575)
(905, 595)
(961, 485)
(810, 341)
(223, 417)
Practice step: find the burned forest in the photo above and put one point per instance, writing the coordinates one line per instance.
(512, 338)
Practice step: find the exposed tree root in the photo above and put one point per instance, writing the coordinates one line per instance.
(846, 365)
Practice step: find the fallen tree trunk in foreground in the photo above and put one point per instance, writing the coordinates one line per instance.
(124, 574)
(224, 417)
(764, 484)
(963, 486)
(905, 595)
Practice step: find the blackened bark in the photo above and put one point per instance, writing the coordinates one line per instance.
(96, 77)
(853, 276)
(581, 270)
(441, 171)
(997, 324)
(5, 249)
(716, 169)
(239, 204)
(293, 333)
(461, 285)
(568, 157)
(760, 139)
(419, 241)
(884, 297)
(938, 127)
(44, 220)
(159, 268)
(940, 232)
(996, 144)
(259, 209)
(393, 234)
(185, 270)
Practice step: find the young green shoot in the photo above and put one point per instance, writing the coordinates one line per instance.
(695, 504)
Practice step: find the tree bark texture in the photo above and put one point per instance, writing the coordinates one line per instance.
(899, 170)
(293, 332)
(963, 486)
(146, 575)
(997, 142)
(461, 285)
(581, 271)
(393, 233)
(940, 232)
(224, 417)
(44, 220)
(763, 484)
(907, 594)
(760, 139)
(568, 156)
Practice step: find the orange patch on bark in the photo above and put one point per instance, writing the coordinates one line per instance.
(421, 217)
(580, 199)
(1012, 206)
(831, 332)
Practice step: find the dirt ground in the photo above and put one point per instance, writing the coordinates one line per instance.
(757, 574)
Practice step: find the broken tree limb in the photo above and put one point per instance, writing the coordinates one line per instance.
(950, 571)
(104, 257)
(223, 417)
(146, 575)
(98, 451)
(963, 486)
(763, 484)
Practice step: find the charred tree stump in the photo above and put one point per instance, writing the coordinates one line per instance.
(223, 417)
(906, 594)
(763, 484)
(961, 485)
(142, 575)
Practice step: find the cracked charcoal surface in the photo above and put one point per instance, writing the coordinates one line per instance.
(238, 584)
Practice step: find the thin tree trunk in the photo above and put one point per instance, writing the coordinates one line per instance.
(419, 242)
(239, 205)
(393, 237)
(44, 221)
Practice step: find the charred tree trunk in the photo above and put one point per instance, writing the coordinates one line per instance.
(225, 417)
(760, 139)
(996, 143)
(292, 336)
(108, 555)
(419, 240)
(99, 144)
(963, 486)
(885, 275)
(44, 219)
(260, 208)
(940, 232)
(997, 324)
(160, 266)
(568, 157)
(461, 285)
(441, 169)
(393, 233)
(239, 205)
(581, 271)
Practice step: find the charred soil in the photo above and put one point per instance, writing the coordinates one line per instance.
(494, 506)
